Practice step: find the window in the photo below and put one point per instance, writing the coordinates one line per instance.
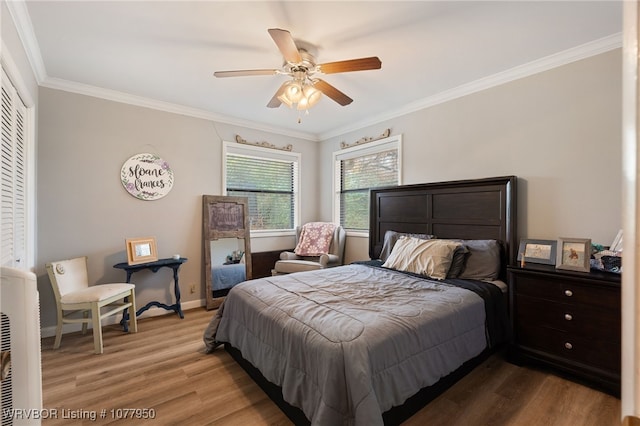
(13, 177)
(269, 179)
(358, 169)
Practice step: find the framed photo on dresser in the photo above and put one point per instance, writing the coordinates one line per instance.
(573, 254)
(537, 251)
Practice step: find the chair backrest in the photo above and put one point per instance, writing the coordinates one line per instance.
(337, 242)
(68, 275)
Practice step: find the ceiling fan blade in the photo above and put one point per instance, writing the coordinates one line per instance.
(275, 102)
(243, 73)
(286, 44)
(332, 92)
(361, 64)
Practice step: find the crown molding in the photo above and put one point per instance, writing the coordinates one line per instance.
(24, 27)
(116, 96)
(22, 21)
(10, 67)
(546, 63)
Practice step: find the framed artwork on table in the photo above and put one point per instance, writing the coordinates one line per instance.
(573, 254)
(537, 251)
(141, 250)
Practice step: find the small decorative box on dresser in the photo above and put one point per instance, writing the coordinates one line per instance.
(568, 320)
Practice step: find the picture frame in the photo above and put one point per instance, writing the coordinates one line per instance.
(141, 250)
(537, 251)
(573, 254)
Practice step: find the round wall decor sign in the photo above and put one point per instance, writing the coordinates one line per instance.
(146, 177)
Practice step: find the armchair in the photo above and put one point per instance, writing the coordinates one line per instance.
(291, 262)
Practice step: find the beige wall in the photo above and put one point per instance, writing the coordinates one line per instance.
(558, 131)
(84, 210)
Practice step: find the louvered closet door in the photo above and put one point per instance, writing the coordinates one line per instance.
(13, 215)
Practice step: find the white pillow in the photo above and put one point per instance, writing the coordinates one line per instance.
(425, 257)
(390, 238)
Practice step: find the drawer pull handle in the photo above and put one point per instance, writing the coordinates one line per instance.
(568, 293)
(568, 345)
(568, 317)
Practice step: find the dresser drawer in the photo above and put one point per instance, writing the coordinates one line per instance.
(567, 320)
(568, 291)
(583, 320)
(598, 353)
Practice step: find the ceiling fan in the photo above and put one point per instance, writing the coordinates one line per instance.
(304, 89)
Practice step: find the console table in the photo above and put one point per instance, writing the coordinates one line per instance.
(154, 267)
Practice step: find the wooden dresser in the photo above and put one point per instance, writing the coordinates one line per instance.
(570, 321)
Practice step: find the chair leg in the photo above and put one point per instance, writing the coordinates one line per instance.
(97, 328)
(56, 343)
(133, 320)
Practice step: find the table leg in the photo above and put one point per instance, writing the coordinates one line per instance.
(154, 267)
(176, 289)
(125, 314)
(125, 318)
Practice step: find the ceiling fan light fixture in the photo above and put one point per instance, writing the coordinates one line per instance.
(299, 93)
(303, 104)
(311, 94)
(293, 91)
(304, 90)
(285, 100)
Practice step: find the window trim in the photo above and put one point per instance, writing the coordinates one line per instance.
(386, 144)
(268, 153)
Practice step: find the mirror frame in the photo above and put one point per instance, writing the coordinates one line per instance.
(237, 227)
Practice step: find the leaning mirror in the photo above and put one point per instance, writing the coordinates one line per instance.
(227, 248)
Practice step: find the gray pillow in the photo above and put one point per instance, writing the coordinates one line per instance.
(483, 260)
(390, 238)
(458, 262)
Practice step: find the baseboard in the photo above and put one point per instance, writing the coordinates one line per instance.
(114, 319)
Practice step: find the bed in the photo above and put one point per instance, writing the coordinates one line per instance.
(371, 342)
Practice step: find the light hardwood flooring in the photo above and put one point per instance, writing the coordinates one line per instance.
(163, 367)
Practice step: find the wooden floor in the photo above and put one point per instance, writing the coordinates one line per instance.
(163, 368)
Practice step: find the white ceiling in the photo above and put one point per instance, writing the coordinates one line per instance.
(163, 54)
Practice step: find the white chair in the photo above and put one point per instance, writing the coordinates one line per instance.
(74, 295)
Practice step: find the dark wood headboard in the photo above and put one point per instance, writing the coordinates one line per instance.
(475, 209)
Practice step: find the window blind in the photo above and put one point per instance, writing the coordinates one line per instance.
(270, 186)
(357, 176)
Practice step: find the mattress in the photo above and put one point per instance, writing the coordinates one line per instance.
(346, 344)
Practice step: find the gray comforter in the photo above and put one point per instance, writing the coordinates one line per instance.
(348, 343)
